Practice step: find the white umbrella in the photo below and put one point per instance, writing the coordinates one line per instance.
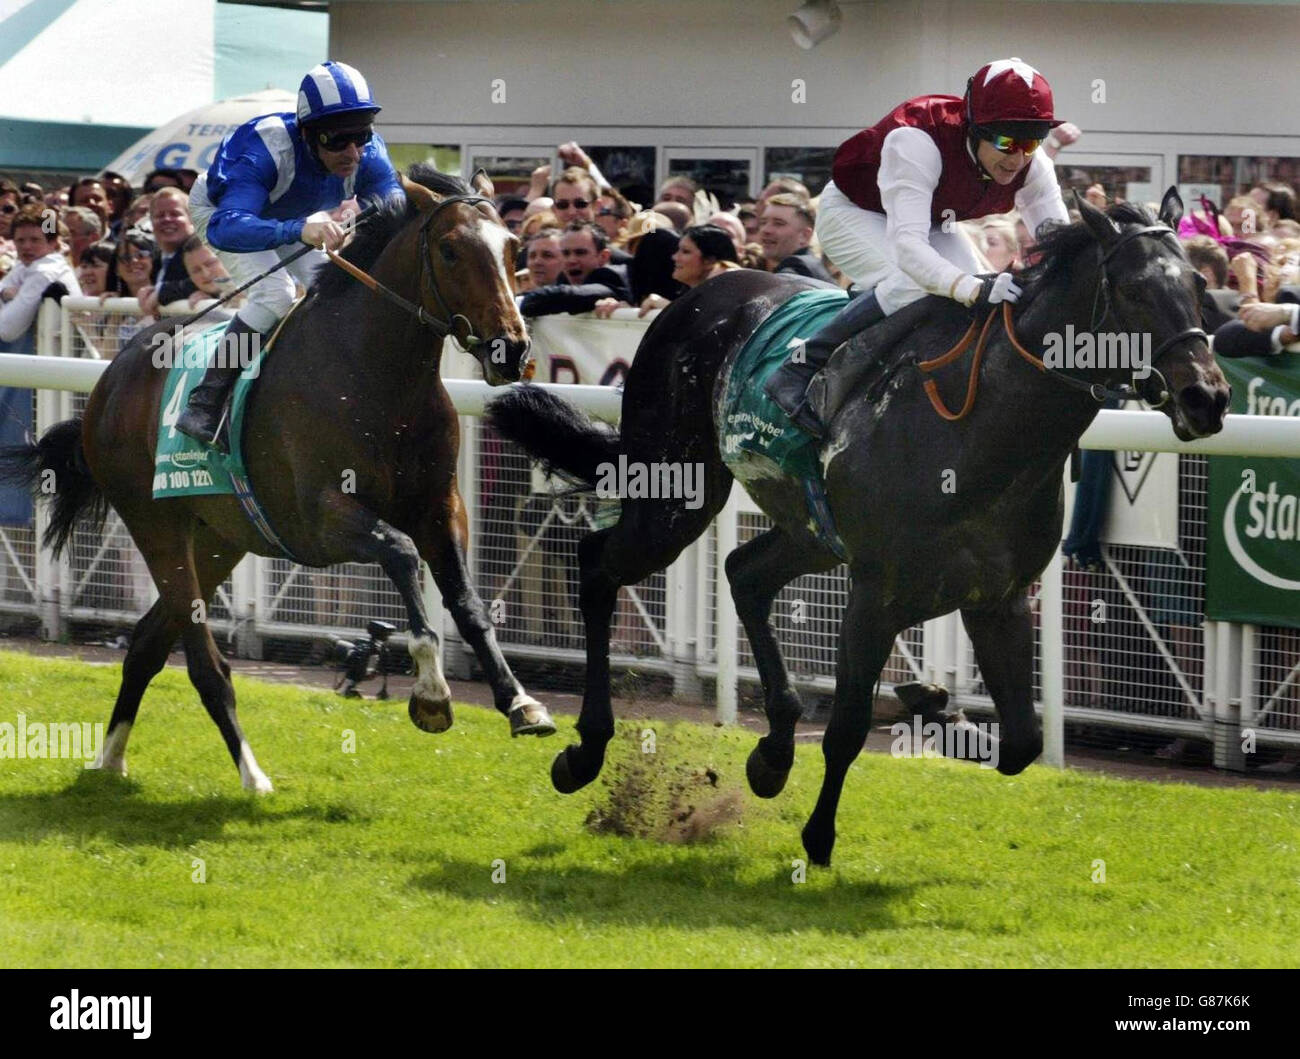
(190, 141)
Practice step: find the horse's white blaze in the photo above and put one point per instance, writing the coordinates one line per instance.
(1173, 270)
(252, 777)
(497, 239)
(429, 681)
(112, 754)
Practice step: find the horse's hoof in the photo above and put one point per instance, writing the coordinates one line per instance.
(529, 717)
(564, 777)
(818, 846)
(430, 716)
(113, 768)
(764, 781)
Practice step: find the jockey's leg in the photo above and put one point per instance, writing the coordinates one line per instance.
(856, 240)
(267, 303)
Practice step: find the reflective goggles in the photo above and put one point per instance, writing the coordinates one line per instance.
(340, 141)
(1009, 144)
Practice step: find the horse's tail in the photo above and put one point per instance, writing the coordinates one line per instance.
(55, 467)
(554, 432)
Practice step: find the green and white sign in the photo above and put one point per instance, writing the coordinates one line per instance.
(1252, 562)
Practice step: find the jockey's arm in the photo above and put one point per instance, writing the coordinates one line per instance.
(910, 167)
(237, 224)
(1039, 200)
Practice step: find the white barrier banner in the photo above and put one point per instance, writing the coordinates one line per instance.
(582, 349)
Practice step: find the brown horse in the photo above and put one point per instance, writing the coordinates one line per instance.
(350, 441)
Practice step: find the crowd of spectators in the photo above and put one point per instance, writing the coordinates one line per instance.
(99, 237)
(586, 246)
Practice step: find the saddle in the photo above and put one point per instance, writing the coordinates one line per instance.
(867, 362)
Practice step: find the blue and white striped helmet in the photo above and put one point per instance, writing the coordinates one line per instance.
(333, 88)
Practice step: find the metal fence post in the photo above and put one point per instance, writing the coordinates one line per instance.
(1051, 631)
(679, 604)
(726, 637)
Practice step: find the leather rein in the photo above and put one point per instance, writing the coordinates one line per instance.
(428, 281)
(1101, 309)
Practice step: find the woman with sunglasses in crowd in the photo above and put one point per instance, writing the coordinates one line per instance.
(265, 194)
(887, 219)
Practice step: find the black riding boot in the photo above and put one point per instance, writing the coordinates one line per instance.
(788, 385)
(201, 418)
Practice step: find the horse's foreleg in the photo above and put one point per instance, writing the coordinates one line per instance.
(757, 571)
(1003, 638)
(866, 638)
(443, 549)
(368, 538)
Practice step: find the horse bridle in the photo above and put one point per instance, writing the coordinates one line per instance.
(429, 281)
(1101, 301)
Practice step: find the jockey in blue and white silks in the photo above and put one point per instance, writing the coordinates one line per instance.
(266, 193)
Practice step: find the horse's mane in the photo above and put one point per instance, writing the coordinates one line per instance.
(1061, 245)
(378, 231)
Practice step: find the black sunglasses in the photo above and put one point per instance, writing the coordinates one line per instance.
(578, 204)
(340, 141)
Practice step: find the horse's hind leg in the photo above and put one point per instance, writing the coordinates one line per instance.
(1003, 638)
(757, 571)
(866, 638)
(649, 535)
(151, 641)
(442, 544)
(209, 671)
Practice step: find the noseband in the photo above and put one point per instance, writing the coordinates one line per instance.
(1102, 308)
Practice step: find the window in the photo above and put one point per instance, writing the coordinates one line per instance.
(811, 166)
(1131, 183)
(1236, 174)
(728, 173)
(444, 158)
(510, 168)
(630, 169)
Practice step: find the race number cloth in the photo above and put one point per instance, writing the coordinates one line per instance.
(1252, 560)
(183, 466)
(750, 421)
(754, 430)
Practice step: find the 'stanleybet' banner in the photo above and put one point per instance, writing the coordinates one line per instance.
(1253, 542)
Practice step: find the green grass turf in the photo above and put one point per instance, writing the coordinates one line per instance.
(384, 857)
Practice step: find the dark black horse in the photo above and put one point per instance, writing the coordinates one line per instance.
(350, 439)
(934, 515)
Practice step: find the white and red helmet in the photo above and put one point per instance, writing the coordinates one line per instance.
(1009, 91)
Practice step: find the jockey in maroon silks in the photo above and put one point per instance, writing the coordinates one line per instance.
(888, 216)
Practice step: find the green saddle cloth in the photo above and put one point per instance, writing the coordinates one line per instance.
(183, 466)
(751, 422)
